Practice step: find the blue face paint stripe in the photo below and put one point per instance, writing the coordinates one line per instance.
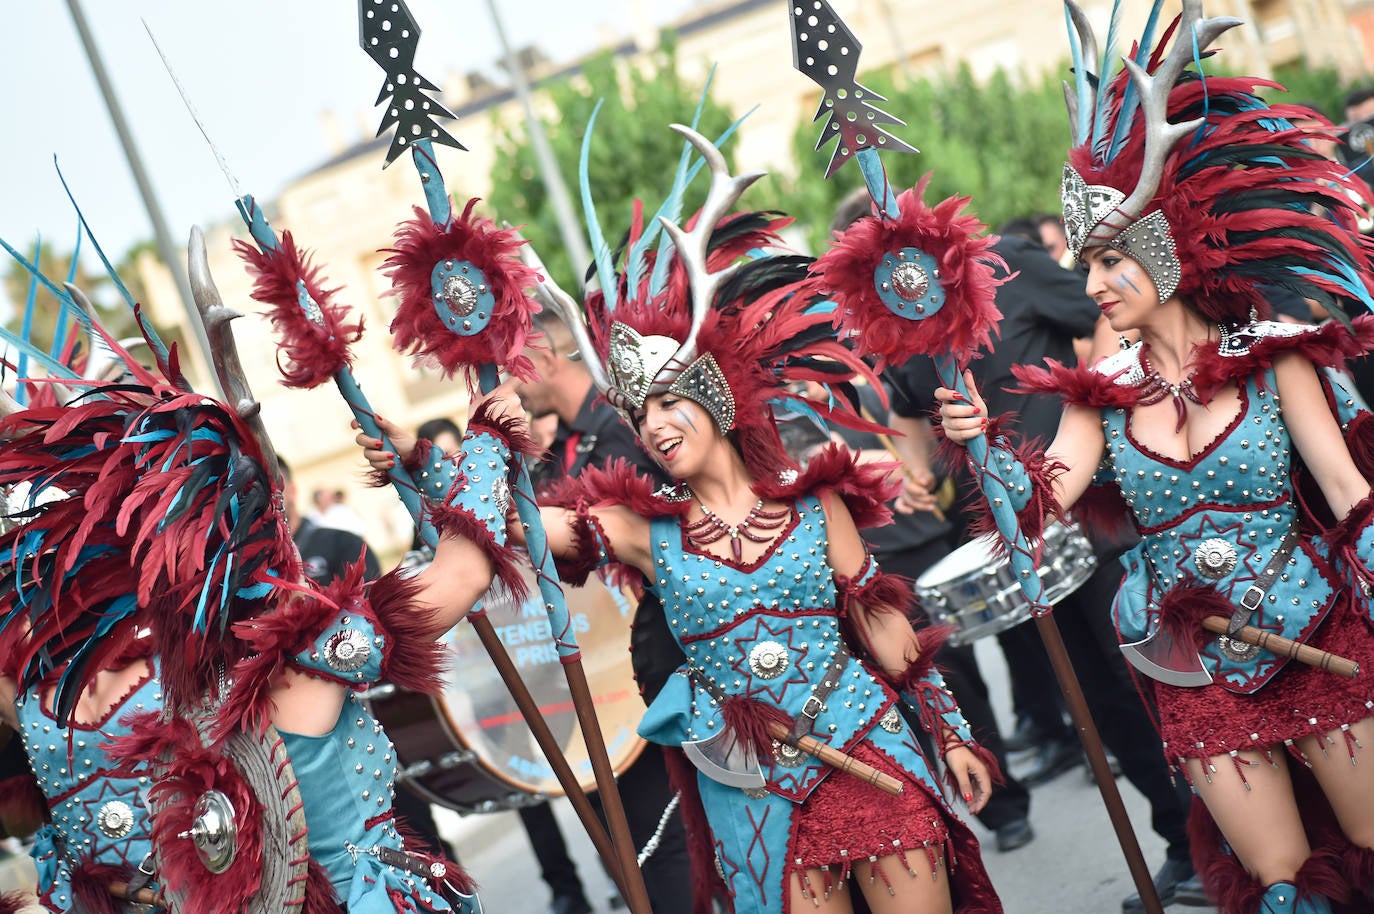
(681, 413)
(1125, 282)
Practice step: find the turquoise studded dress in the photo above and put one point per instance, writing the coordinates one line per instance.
(769, 631)
(1211, 525)
(97, 812)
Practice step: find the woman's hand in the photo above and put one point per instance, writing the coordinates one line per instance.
(962, 418)
(972, 776)
(503, 404)
(380, 458)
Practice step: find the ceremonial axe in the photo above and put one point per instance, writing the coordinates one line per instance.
(1161, 656)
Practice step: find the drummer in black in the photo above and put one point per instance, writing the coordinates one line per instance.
(1043, 310)
(590, 433)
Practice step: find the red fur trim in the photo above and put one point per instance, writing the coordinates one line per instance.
(1359, 439)
(413, 659)
(309, 353)
(1183, 607)
(1077, 386)
(1103, 510)
(880, 593)
(1357, 865)
(274, 639)
(968, 319)
(319, 891)
(929, 640)
(186, 769)
(457, 521)
(91, 883)
(14, 902)
(1346, 533)
(616, 484)
(575, 566)
(748, 722)
(23, 803)
(701, 850)
(865, 488)
(1041, 471)
(1328, 345)
(515, 432)
(417, 328)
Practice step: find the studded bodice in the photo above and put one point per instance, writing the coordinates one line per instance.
(97, 811)
(347, 782)
(1218, 519)
(767, 631)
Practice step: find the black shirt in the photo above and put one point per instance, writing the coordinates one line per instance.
(327, 551)
(597, 436)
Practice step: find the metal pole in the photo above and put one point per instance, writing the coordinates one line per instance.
(574, 239)
(165, 248)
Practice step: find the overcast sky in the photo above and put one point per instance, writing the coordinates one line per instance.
(260, 72)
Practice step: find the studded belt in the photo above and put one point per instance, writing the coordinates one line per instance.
(1216, 558)
(815, 702)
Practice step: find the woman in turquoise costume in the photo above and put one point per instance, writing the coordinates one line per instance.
(169, 665)
(783, 623)
(1245, 466)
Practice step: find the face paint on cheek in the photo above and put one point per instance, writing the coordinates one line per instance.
(682, 414)
(1124, 282)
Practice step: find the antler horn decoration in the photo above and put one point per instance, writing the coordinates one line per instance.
(692, 245)
(215, 318)
(1083, 99)
(552, 296)
(1192, 38)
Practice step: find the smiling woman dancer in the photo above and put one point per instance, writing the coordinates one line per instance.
(1234, 453)
(780, 613)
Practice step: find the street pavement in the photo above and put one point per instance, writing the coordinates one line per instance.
(1074, 865)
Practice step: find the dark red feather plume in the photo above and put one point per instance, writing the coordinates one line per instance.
(417, 329)
(309, 353)
(967, 320)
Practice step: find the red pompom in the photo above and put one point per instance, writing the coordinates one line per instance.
(968, 317)
(417, 328)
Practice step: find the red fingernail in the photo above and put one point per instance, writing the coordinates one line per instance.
(977, 411)
(968, 798)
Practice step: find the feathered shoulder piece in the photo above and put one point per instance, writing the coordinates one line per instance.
(1242, 351)
(1113, 382)
(618, 483)
(865, 488)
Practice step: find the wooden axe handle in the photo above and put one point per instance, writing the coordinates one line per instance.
(836, 759)
(1286, 647)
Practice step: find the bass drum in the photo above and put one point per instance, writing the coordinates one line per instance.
(470, 750)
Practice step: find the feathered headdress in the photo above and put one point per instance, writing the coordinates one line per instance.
(711, 310)
(167, 526)
(1214, 192)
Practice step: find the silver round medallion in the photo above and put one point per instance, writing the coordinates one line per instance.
(347, 650)
(1215, 558)
(115, 819)
(910, 281)
(1238, 651)
(460, 295)
(214, 832)
(788, 756)
(768, 659)
(437, 870)
(891, 721)
(500, 496)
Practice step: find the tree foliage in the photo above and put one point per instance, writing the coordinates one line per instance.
(633, 153)
(1001, 142)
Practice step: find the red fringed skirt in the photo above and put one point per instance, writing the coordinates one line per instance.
(1209, 721)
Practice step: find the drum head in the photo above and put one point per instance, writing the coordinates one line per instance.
(482, 716)
(971, 558)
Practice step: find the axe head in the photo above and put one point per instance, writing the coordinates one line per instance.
(723, 758)
(1161, 657)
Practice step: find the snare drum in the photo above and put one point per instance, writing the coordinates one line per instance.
(979, 594)
(470, 750)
